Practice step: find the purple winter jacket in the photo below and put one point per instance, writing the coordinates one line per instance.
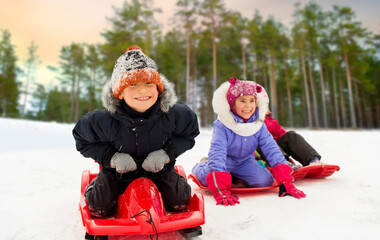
(226, 145)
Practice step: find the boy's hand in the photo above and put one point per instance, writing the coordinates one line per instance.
(155, 161)
(123, 162)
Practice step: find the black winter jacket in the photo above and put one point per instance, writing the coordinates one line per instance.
(101, 133)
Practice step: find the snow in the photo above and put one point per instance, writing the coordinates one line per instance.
(40, 188)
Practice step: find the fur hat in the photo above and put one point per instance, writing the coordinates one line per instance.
(134, 67)
(241, 88)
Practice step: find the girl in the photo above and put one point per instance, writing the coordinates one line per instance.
(238, 131)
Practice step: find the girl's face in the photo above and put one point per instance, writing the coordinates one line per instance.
(245, 106)
(140, 96)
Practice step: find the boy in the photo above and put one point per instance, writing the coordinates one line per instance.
(140, 133)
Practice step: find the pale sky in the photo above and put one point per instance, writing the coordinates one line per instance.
(52, 24)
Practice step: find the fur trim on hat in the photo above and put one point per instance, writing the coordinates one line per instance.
(222, 109)
(167, 98)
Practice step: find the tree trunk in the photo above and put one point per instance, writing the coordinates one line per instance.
(77, 101)
(367, 110)
(264, 72)
(26, 92)
(72, 96)
(194, 81)
(243, 60)
(258, 71)
(214, 60)
(273, 90)
(325, 123)
(358, 105)
(187, 66)
(289, 94)
(147, 45)
(306, 89)
(253, 72)
(377, 109)
(313, 92)
(348, 75)
(342, 105)
(91, 95)
(335, 97)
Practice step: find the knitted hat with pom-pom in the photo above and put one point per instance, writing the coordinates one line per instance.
(134, 67)
(241, 88)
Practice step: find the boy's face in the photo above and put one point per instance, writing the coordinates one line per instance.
(245, 106)
(140, 96)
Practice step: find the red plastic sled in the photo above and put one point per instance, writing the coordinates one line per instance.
(232, 189)
(320, 170)
(141, 212)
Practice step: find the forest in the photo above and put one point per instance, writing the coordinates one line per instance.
(320, 72)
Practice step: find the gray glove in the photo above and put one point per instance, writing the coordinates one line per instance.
(123, 162)
(155, 161)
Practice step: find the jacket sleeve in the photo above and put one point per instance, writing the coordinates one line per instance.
(217, 154)
(274, 127)
(91, 137)
(186, 129)
(269, 147)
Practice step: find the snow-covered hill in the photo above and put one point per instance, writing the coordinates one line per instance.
(41, 171)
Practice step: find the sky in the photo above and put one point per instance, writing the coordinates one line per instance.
(52, 24)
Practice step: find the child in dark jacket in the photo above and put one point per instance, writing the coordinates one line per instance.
(291, 143)
(141, 133)
(238, 131)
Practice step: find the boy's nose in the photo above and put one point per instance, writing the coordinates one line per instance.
(141, 88)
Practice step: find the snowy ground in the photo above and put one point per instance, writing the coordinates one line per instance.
(40, 185)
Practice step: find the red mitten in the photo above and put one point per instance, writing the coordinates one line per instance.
(218, 183)
(282, 174)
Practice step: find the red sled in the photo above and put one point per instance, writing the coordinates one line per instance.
(319, 170)
(235, 190)
(141, 214)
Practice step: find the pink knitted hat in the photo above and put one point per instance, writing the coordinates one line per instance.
(241, 88)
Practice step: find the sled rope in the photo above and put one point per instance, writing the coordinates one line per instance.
(150, 221)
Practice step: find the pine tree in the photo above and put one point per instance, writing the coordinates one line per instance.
(39, 101)
(31, 64)
(9, 87)
(186, 12)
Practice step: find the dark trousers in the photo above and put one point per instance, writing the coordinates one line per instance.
(294, 145)
(102, 193)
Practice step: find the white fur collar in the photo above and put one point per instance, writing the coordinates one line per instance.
(222, 109)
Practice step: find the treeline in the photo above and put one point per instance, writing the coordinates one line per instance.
(323, 72)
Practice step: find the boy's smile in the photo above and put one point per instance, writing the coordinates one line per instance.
(140, 96)
(143, 98)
